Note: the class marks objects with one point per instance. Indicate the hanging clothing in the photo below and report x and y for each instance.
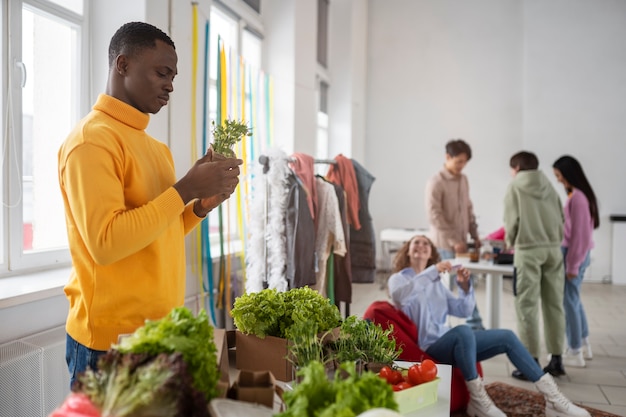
(266, 250)
(302, 165)
(342, 268)
(363, 240)
(343, 173)
(300, 235)
(329, 234)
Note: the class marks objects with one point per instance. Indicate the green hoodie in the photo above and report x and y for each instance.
(533, 215)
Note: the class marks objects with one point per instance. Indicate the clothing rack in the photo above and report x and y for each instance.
(265, 161)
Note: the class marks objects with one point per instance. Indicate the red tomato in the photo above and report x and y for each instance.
(385, 372)
(415, 374)
(429, 370)
(401, 386)
(391, 375)
(397, 377)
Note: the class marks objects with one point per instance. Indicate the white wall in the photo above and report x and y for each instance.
(347, 68)
(575, 98)
(278, 55)
(505, 75)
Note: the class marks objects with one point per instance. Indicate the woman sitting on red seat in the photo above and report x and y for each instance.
(417, 289)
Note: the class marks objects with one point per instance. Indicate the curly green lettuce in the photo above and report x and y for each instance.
(180, 331)
(272, 313)
(142, 385)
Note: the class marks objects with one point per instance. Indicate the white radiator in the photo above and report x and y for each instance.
(34, 379)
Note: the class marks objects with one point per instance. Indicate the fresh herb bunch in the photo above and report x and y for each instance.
(272, 313)
(306, 345)
(226, 135)
(316, 395)
(180, 332)
(360, 339)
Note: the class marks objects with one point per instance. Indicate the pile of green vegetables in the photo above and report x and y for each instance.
(167, 368)
(272, 313)
(318, 396)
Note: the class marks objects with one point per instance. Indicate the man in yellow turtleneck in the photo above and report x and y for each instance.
(126, 214)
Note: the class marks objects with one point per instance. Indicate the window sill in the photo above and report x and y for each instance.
(26, 288)
(21, 289)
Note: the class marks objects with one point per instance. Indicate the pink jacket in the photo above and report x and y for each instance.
(578, 230)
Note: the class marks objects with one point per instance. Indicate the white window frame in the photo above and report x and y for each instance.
(14, 259)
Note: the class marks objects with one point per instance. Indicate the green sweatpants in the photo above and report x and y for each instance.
(540, 282)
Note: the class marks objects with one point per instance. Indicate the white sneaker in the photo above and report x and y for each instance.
(480, 404)
(557, 405)
(574, 359)
(587, 353)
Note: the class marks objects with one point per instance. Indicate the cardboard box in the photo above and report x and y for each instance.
(268, 354)
(417, 397)
(219, 338)
(254, 387)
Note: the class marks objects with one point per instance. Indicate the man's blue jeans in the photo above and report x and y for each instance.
(474, 321)
(79, 358)
(462, 347)
(576, 327)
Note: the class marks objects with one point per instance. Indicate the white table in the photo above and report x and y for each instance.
(494, 274)
(395, 236)
(442, 406)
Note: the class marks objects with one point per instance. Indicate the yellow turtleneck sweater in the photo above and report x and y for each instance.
(125, 222)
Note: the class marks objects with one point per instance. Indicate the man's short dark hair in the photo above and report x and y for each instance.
(524, 161)
(456, 147)
(133, 37)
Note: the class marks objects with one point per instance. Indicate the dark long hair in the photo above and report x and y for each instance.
(401, 260)
(573, 173)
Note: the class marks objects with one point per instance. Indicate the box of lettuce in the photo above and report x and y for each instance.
(266, 321)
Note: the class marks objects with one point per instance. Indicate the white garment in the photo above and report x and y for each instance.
(329, 235)
(266, 250)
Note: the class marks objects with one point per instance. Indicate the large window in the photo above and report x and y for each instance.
(41, 103)
(323, 86)
(243, 97)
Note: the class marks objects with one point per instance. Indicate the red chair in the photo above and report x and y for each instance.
(405, 334)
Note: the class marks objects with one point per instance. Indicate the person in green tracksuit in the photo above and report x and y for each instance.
(533, 222)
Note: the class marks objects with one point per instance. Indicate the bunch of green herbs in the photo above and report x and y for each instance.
(226, 135)
(363, 340)
(306, 345)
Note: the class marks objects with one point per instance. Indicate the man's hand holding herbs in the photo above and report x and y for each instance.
(211, 181)
(203, 206)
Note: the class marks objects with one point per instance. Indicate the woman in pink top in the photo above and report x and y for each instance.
(581, 217)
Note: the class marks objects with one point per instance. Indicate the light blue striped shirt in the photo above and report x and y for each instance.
(428, 301)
